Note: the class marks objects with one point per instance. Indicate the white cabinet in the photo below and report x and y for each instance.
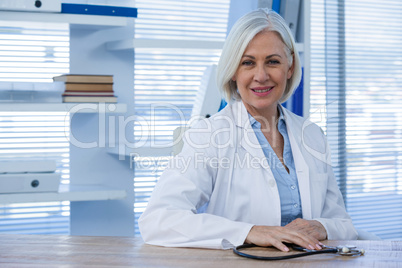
(101, 184)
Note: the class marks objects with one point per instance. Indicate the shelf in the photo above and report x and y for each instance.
(167, 43)
(163, 43)
(64, 107)
(90, 21)
(66, 193)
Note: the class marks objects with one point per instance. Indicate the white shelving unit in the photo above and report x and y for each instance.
(158, 43)
(81, 21)
(163, 43)
(101, 184)
(66, 192)
(64, 107)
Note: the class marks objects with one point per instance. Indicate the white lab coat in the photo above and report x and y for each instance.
(220, 185)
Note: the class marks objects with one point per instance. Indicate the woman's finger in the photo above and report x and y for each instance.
(275, 236)
(301, 239)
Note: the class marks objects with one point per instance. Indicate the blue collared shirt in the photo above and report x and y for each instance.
(286, 182)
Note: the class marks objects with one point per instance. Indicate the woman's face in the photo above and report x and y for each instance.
(262, 74)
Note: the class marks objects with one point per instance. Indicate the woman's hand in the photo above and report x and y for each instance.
(300, 232)
(309, 227)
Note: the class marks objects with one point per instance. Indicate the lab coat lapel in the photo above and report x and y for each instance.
(246, 135)
(302, 170)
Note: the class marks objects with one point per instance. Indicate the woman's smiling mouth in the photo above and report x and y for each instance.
(261, 90)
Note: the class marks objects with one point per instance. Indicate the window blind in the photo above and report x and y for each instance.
(34, 52)
(166, 80)
(356, 78)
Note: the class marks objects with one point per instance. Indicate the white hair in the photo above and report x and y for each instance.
(242, 32)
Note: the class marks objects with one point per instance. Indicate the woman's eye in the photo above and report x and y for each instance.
(273, 62)
(247, 63)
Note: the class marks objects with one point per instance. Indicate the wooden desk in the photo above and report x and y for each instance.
(78, 251)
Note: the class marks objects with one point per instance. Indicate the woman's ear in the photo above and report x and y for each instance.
(234, 78)
(292, 68)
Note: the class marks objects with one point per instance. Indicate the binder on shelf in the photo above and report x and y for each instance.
(29, 182)
(27, 166)
(28, 176)
(103, 10)
(31, 5)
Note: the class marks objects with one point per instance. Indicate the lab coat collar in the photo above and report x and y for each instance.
(295, 132)
(245, 132)
(242, 118)
(249, 141)
(241, 115)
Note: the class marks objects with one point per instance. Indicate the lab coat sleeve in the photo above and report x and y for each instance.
(334, 217)
(171, 217)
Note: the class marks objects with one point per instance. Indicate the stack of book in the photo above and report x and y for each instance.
(87, 88)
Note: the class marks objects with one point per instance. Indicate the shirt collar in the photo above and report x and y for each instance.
(281, 120)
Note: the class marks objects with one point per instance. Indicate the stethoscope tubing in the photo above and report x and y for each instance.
(237, 251)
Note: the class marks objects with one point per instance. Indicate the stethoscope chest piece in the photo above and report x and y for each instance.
(350, 251)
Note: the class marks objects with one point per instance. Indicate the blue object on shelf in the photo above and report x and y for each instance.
(102, 10)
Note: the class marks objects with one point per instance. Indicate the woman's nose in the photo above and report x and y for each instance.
(261, 74)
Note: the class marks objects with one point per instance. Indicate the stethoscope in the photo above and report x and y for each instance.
(350, 251)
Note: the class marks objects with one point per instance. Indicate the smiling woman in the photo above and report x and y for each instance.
(262, 75)
(261, 80)
(233, 52)
(222, 206)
